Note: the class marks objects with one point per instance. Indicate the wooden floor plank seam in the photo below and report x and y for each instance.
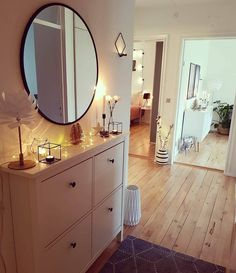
(210, 239)
(186, 193)
(193, 210)
(218, 192)
(165, 204)
(188, 211)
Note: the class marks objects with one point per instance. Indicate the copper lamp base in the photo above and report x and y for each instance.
(27, 164)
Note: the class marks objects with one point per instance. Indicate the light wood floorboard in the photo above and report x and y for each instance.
(188, 209)
(212, 154)
(140, 141)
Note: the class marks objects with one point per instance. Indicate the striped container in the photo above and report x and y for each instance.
(162, 157)
(132, 206)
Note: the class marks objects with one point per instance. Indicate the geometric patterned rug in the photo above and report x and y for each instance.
(138, 256)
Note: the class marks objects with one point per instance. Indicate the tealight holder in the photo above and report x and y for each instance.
(117, 128)
(49, 153)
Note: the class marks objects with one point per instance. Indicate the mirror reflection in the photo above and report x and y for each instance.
(59, 63)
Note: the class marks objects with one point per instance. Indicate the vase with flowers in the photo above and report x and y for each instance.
(112, 101)
(162, 155)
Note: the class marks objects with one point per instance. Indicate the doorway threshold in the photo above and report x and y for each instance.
(141, 156)
(199, 167)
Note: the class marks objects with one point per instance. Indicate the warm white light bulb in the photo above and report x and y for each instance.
(134, 54)
(139, 67)
(140, 80)
(139, 53)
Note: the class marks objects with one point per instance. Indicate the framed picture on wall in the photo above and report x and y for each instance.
(197, 79)
(191, 81)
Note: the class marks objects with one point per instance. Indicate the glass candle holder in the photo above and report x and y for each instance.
(49, 153)
(117, 128)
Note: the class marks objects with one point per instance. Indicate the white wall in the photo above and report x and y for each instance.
(193, 20)
(137, 76)
(148, 61)
(195, 51)
(221, 68)
(149, 49)
(217, 59)
(105, 20)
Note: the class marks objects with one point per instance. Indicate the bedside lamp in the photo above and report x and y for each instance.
(146, 97)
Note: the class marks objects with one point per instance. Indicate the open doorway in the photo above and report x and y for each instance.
(146, 85)
(206, 98)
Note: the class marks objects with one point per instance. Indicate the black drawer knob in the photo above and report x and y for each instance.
(110, 209)
(111, 160)
(73, 184)
(73, 245)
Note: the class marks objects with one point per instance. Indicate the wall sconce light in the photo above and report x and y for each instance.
(120, 45)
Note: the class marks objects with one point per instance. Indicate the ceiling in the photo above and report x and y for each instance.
(155, 3)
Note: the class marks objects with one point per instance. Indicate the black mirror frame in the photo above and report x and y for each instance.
(22, 57)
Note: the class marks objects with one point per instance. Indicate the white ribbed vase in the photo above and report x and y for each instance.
(162, 157)
(132, 206)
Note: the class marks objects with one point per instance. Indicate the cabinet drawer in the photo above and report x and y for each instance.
(63, 199)
(106, 221)
(108, 172)
(72, 253)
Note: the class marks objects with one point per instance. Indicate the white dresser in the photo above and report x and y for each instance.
(64, 215)
(197, 123)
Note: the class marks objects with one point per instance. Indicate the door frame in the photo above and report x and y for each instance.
(231, 143)
(199, 37)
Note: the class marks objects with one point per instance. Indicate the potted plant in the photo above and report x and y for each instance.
(224, 111)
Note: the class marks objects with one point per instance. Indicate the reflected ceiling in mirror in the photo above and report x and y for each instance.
(59, 63)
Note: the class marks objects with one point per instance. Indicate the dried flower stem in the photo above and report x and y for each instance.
(163, 142)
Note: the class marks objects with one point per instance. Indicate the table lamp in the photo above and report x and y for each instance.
(146, 97)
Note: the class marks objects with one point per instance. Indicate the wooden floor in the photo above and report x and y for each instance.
(140, 141)
(212, 154)
(188, 209)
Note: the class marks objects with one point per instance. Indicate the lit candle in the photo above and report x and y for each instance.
(114, 131)
(104, 104)
(49, 158)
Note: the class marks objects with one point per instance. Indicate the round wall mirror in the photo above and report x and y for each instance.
(59, 63)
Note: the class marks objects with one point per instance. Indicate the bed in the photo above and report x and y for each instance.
(135, 113)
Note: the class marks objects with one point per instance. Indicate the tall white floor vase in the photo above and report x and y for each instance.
(161, 157)
(132, 206)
